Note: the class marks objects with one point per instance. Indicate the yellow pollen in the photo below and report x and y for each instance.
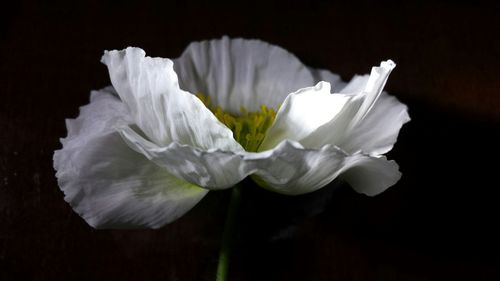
(249, 128)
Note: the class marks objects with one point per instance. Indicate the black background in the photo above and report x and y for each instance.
(438, 223)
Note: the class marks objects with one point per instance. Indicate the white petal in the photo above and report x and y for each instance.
(339, 130)
(239, 72)
(163, 111)
(290, 169)
(378, 131)
(302, 113)
(325, 75)
(213, 169)
(370, 175)
(107, 183)
(356, 85)
(373, 89)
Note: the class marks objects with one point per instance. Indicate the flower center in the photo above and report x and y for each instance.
(249, 128)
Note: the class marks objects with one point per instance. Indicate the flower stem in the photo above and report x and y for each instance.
(225, 250)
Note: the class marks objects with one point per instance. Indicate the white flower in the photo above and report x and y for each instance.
(146, 150)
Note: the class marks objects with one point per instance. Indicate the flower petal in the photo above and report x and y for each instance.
(339, 129)
(213, 169)
(378, 132)
(239, 72)
(356, 85)
(370, 175)
(165, 113)
(302, 113)
(107, 183)
(290, 169)
(373, 88)
(325, 75)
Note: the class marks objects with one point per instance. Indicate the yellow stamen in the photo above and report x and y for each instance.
(249, 128)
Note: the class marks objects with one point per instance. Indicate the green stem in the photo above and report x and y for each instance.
(225, 250)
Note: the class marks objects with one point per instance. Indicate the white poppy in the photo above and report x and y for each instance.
(146, 150)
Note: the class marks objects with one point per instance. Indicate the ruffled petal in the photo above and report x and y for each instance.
(165, 113)
(213, 169)
(373, 89)
(356, 85)
(239, 72)
(292, 170)
(288, 168)
(107, 183)
(370, 175)
(378, 132)
(302, 113)
(325, 75)
(339, 129)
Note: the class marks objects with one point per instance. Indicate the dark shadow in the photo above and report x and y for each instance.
(445, 207)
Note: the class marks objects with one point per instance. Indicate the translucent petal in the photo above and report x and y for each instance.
(290, 169)
(287, 168)
(240, 72)
(370, 175)
(213, 169)
(373, 89)
(356, 85)
(339, 129)
(107, 183)
(378, 131)
(302, 113)
(325, 75)
(165, 113)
